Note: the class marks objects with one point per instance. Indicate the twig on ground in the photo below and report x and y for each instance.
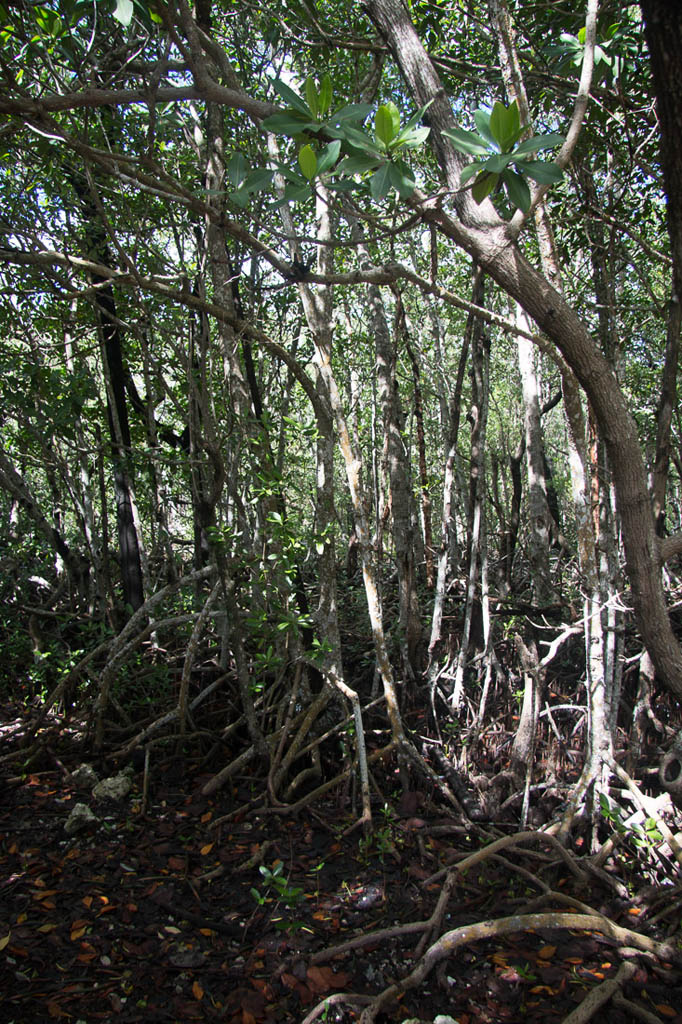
(595, 999)
(458, 937)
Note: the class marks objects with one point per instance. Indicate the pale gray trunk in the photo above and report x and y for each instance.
(401, 491)
(539, 515)
(478, 415)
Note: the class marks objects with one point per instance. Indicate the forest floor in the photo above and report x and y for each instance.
(171, 916)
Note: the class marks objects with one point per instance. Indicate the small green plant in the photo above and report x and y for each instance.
(276, 889)
(644, 836)
(316, 872)
(382, 840)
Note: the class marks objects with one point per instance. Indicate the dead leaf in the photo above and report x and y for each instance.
(547, 952)
(197, 991)
(320, 979)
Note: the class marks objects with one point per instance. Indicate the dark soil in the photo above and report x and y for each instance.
(168, 917)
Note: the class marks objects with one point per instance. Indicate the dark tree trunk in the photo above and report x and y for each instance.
(117, 408)
(663, 31)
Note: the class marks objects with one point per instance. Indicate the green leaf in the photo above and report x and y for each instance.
(360, 140)
(497, 162)
(307, 161)
(416, 118)
(401, 178)
(380, 182)
(470, 171)
(311, 95)
(505, 125)
(387, 123)
(467, 142)
(291, 97)
(289, 123)
(411, 139)
(517, 190)
(538, 143)
(484, 185)
(357, 164)
(329, 157)
(237, 169)
(257, 180)
(540, 171)
(482, 119)
(351, 112)
(240, 197)
(124, 12)
(325, 95)
(296, 193)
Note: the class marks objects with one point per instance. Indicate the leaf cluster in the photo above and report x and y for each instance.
(352, 151)
(501, 163)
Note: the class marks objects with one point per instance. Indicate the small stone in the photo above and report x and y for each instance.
(80, 819)
(84, 777)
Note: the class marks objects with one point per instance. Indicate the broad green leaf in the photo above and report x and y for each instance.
(351, 112)
(572, 42)
(505, 124)
(124, 12)
(417, 118)
(380, 182)
(296, 193)
(290, 174)
(484, 185)
(538, 170)
(291, 97)
(497, 162)
(329, 157)
(517, 190)
(325, 95)
(259, 179)
(307, 161)
(468, 142)
(289, 123)
(401, 178)
(469, 172)
(359, 140)
(482, 119)
(237, 169)
(357, 164)
(412, 138)
(538, 143)
(311, 96)
(240, 197)
(387, 123)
